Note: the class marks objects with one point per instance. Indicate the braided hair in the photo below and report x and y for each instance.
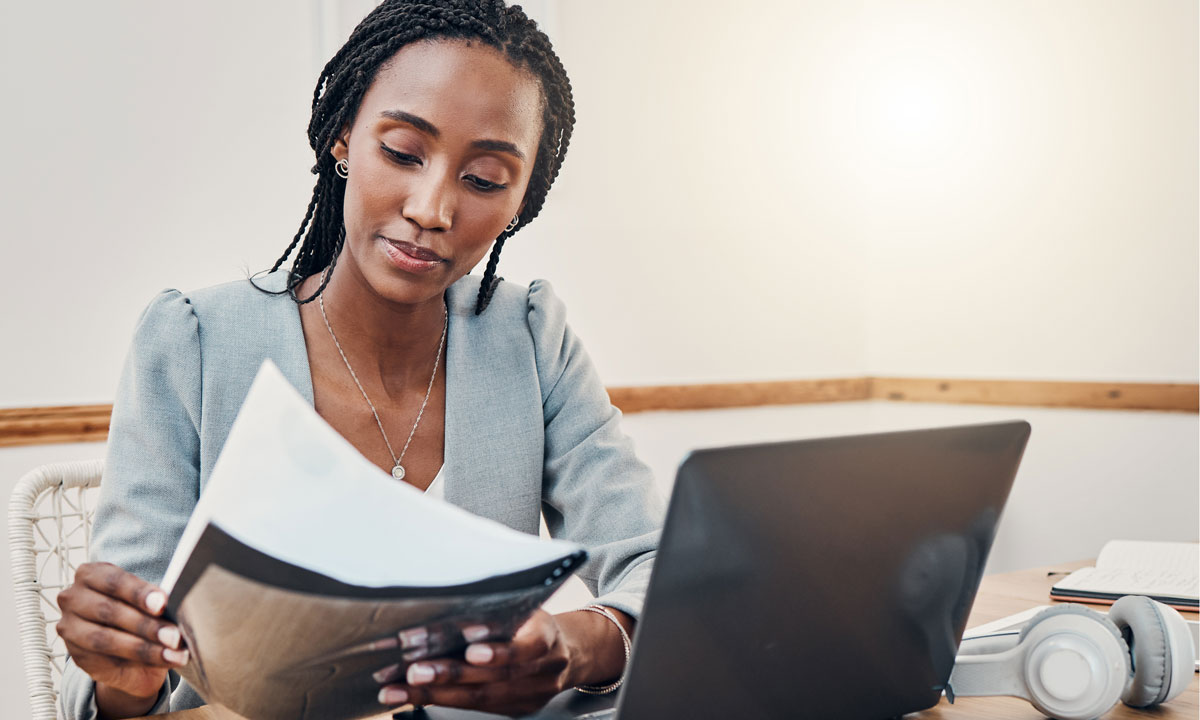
(346, 77)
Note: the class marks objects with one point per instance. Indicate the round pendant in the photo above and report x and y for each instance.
(398, 471)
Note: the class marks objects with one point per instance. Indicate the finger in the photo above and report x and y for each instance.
(453, 672)
(101, 640)
(490, 654)
(526, 647)
(108, 579)
(479, 632)
(477, 697)
(125, 675)
(440, 671)
(503, 659)
(391, 673)
(105, 610)
(437, 638)
(507, 655)
(427, 640)
(413, 638)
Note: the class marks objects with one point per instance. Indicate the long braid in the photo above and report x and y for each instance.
(344, 81)
(490, 281)
(312, 204)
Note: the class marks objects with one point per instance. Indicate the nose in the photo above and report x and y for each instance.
(430, 202)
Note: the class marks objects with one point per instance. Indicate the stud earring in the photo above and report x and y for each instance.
(342, 168)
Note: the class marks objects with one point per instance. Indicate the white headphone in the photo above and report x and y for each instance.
(1073, 663)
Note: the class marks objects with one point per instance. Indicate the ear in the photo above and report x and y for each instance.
(341, 146)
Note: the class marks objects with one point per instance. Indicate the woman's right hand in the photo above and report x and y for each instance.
(113, 631)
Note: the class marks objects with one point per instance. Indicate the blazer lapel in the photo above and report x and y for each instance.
(493, 447)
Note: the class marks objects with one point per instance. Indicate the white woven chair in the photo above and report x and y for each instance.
(49, 534)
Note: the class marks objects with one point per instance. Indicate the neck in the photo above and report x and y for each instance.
(395, 342)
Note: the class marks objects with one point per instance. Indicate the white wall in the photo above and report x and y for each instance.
(755, 191)
(693, 220)
(1035, 215)
(154, 145)
(930, 187)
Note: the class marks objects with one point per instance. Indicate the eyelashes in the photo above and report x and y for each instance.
(402, 158)
(485, 186)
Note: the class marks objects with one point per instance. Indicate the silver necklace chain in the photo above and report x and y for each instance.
(397, 468)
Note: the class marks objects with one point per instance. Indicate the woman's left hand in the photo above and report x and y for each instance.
(510, 678)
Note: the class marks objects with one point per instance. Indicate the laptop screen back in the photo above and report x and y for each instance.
(822, 578)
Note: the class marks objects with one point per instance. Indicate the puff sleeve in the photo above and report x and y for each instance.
(151, 476)
(596, 491)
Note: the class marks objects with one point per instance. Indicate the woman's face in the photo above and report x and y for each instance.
(440, 156)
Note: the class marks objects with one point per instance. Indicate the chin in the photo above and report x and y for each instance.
(407, 289)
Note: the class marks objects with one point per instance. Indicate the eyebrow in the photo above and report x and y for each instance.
(499, 146)
(428, 128)
(416, 121)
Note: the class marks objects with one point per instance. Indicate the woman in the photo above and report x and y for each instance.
(438, 130)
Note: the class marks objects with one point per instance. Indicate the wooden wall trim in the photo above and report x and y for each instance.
(45, 425)
(1171, 397)
(748, 394)
(89, 423)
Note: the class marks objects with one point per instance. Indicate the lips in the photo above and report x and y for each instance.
(415, 251)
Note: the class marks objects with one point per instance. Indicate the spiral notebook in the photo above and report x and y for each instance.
(305, 568)
(1166, 571)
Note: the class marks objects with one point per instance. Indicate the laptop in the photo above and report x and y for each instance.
(826, 578)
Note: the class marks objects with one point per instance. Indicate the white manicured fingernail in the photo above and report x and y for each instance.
(385, 675)
(392, 696)
(169, 636)
(420, 673)
(475, 633)
(414, 637)
(479, 653)
(178, 657)
(156, 601)
(385, 644)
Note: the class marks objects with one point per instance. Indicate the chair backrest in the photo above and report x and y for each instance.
(49, 535)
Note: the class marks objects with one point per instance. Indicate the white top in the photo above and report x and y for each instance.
(437, 488)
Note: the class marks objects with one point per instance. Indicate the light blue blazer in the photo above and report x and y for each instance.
(529, 431)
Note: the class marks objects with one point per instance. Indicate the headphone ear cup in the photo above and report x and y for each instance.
(1157, 637)
(1074, 630)
(1071, 609)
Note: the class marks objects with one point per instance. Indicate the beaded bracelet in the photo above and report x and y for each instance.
(605, 689)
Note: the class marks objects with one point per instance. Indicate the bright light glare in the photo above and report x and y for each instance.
(912, 113)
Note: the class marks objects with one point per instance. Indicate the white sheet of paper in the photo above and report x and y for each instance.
(1012, 622)
(289, 485)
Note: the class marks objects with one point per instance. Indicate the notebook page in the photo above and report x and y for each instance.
(1124, 581)
(1177, 557)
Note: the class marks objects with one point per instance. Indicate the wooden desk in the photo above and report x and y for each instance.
(999, 596)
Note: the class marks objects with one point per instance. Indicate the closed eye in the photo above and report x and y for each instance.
(486, 186)
(402, 158)
(483, 185)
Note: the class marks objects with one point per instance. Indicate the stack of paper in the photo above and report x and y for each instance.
(303, 562)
